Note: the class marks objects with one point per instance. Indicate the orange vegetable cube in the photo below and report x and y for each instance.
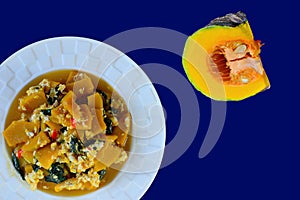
(82, 87)
(111, 138)
(46, 156)
(109, 154)
(98, 124)
(95, 101)
(15, 133)
(28, 169)
(36, 142)
(31, 102)
(98, 166)
(100, 118)
(74, 76)
(59, 116)
(121, 136)
(28, 156)
(70, 105)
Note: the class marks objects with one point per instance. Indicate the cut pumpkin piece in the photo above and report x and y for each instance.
(82, 87)
(46, 156)
(74, 76)
(222, 59)
(111, 138)
(121, 136)
(98, 124)
(98, 165)
(109, 154)
(32, 101)
(28, 156)
(59, 116)
(15, 133)
(69, 103)
(28, 169)
(36, 142)
(95, 101)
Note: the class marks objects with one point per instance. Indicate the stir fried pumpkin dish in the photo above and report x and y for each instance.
(67, 133)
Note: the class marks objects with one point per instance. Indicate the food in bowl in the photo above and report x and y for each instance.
(68, 131)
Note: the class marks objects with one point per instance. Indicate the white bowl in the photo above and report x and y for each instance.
(119, 71)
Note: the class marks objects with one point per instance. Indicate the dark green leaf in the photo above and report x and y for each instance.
(35, 167)
(16, 164)
(102, 174)
(63, 129)
(102, 94)
(75, 145)
(51, 100)
(109, 126)
(57, 91)
(62, 141)
(46, 112)
(56, 174)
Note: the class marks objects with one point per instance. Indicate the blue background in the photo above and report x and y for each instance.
(257, 156)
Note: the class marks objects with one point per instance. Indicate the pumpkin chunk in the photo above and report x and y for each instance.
(68, 102)
(46, 156)
(95, 101)
(28, 156)
(16, 132)
(36, 142)
(74, 76)
(109, 154)
(111, 138)
(98, 124)
(32, 101)
(98, 165)
(83, 87)
(59, 115)
(121, 136)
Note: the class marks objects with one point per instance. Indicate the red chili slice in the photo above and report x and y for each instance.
(19, 154)
(54, 134)
(73, 123)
